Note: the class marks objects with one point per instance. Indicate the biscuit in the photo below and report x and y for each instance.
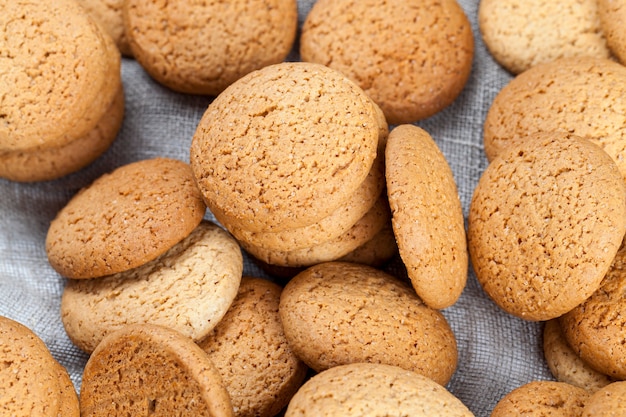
(542, 399)
(545, 222)
(108, 14)
(612, 20)
(366, 389)
(375, 252)
(337, 313)
(189, 289)
(427, 216)
(125, 219)
(249, 349)
(302, 139)
(203, 47)
(522, 34)
(412, 57)
(565, 364)
(146, 369)
(580, 96)
(609, 401)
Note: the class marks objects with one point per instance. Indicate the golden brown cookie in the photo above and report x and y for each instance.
(413, 57)
(203, 47)
(108, 14)
(338, 313)
(125, 219)
(613, 20)
(545, 222)
(146, 369)
(609, 401)
(375, 252)
(367, 389)
(249, 349)
(522, 34)
(427, 216)
(542, 399)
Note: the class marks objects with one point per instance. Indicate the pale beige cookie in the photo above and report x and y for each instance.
(542, 399)
(108, 14)
(338, 313)
(521, 34)
(367, 389)
(125, 219)
(413, 57)
(146, 369)
(613, 20)
(201, 47)
(609, 401)
(189, 288)
(249, 349)
(51, 163)
(545, 222)
(302, 139)
(580, 96)
(565, 364)
(427, 216)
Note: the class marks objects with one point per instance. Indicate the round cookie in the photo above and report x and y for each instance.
(55, 162)
(427, 216)
(338, 313)
(565, 364)
(366, 389)
(302, 139)
(108, 14)
(582, 96)
(249, 349)
(609, 401)
(545, 222)
(542, 399)
(63, 74)
(146, 369)
(412, 57)
(203, 47)
(125, 219)
(613, 20)
(522, 34)
(189, 289)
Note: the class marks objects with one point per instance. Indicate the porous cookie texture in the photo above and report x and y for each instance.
(581, 96)
(125, 219)
(413, 57)
(596, 329)
(201, 47)
(366, 389)
(32, 382)
(427, 216)
(545, 222)
(301, 139)
(55, 162)
(542, 399)
(146, 369)
(522, 34)
(62, 76)
(251, 352)
(609, 401)
(189, 288)
(338, 313)
(108, 14)
(613, 20)
(565, 364)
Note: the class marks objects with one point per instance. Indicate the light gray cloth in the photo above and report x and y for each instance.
(497, 352)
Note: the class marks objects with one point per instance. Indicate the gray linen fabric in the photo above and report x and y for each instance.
(497, 352)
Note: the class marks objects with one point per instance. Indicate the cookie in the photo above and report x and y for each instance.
(545, 222)
(189, 288)
(612, 20)
(146, 369)
(413, 57)
(61, 79)
(125, 219)
(565, 364)
(427, 216)
(338, 313)
(32, 382)
(595, 329)
(249, 349)
(302, 139)
(522, 34)
(580, 96)
(55, 162)
(366, 389)
(203, 47)
(609, 401)
(108, 14)
(542, 399)
(375, 252)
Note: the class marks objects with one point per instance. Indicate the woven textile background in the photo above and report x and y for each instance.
(497, 352)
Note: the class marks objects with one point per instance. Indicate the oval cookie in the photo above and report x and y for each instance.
(609, 401)
(542, 398)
